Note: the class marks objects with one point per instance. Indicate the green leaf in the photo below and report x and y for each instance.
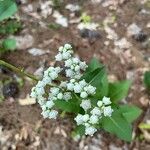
(9, 44)
(118, 125)
(93, 65)
(130, 112)
(7, 9)
(68, 106)
(98, 79)
(80, 130)
(118, 90)
(147, 79)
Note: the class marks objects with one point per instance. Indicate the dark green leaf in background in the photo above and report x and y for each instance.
(147, 79)
(7, 9)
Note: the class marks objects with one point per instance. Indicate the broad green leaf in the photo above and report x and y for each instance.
(93, 65)
(7, 8)
(117, 124)
(118, 90)
(9, 44)
(68, 106)
(147, 79)
(130, 112)
(98, 79)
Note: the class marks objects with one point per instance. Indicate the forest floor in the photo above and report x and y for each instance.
(125, 54)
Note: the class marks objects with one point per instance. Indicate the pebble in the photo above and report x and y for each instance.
(86, 33)
(123, 43)
(133, 29)
(10, 89)
(24, 42)
(140, 37)
(36, 51)
(72, 7)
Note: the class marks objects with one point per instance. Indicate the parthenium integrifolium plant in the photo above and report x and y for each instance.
(84, 91)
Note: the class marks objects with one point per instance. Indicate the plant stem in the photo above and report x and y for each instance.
(20, 71)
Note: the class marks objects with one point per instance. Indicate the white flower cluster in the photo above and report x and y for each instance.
(81, 87)
(47, 91)
(103, 108)
(73, 65)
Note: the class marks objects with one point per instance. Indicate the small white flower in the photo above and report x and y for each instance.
(59, 57)
(94, 119)
(72, 80)
(58, 69)
(47, 80)
(91, 89)
(75, 60)
(77, 88)
(66, 55)
(53, 114)
(106, 100)
(67, 46)
(49, 104)
(82, 83)
(53, 75)
(68, 63)
(54, 91)
(70, 86)
(83, 94)
(85, 117)
(79, 119)
(40, 91)
(43, 107)
(60, 96)
(99, 103)
(33, 93)
(90, 130)
(86, 104)
(41, 101)
(67, 96)
(45, 114)
(107, 111)
(60, 49)
(83, 65)
(69, 73)
(77, 68)
(77, 76)
(72, 67)
(63, 84)
(96, 111)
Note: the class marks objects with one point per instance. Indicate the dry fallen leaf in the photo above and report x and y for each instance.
(27, 101)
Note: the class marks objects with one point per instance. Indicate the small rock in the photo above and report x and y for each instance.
(72, 7)
(123, 43)
(146, 44)
(111, 33)
(140, 37)
(10, 89)
(90, 26)
(24, 42)
(60, 19)
(86, 33)
(46, 9)
(36, 51)
(113, 147)
(133, 29)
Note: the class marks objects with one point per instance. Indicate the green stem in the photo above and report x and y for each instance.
(20, 71)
